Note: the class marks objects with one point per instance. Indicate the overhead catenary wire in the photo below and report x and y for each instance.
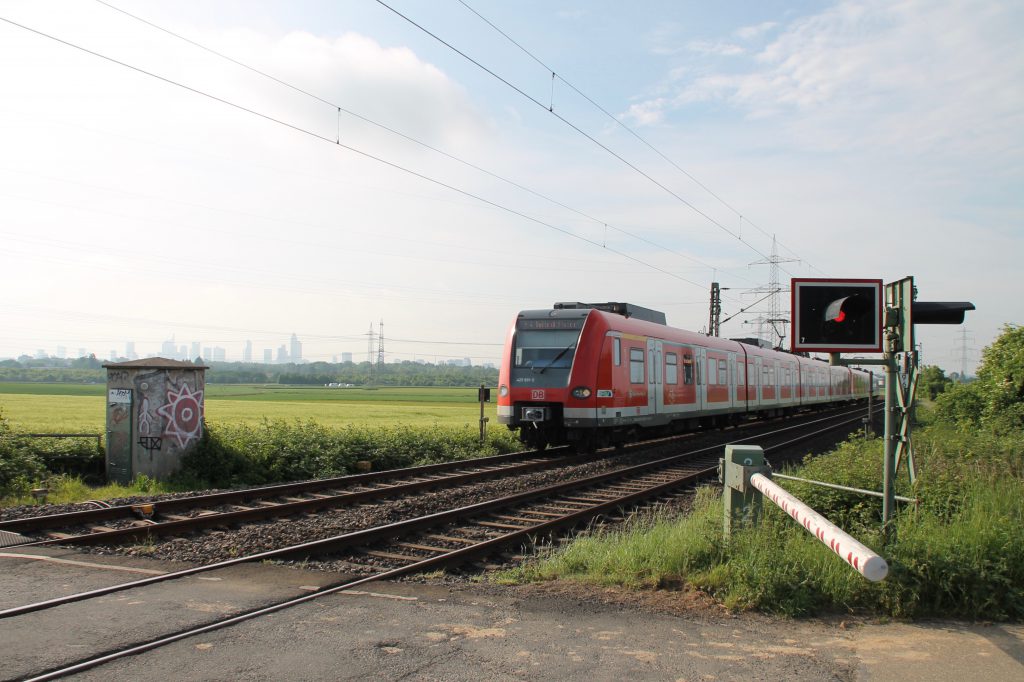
(572, 125)
(352, 149)
(340, 109)
(631, 131)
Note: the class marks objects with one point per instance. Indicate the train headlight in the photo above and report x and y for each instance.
(581, 392)
(503, 391)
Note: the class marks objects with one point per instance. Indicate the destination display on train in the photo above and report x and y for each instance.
(550, 323)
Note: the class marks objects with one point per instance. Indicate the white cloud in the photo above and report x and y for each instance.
(717, 48)
(664, 39)
(751, 32)
(942, 79)
(649, 112)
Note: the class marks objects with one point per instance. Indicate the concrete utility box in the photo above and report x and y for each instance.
(154, 416)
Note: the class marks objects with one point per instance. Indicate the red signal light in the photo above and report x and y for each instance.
(835, 311)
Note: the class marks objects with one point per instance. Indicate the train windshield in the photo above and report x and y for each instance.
(546, 349)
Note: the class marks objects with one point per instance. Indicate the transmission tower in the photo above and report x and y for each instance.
(776, 319)
(380, 345)
(964, 351)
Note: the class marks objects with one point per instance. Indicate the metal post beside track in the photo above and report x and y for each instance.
(743, 473)
(483, 395)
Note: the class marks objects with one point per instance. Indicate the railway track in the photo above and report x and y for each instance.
(455, 536)
(225, 509)
(230, 509)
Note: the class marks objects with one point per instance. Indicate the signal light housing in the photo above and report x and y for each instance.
(939, 312)
(837, 315)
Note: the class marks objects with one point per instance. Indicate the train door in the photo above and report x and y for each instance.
(742, 388)
(702, 378)
(794, 384)
(759, 381)
(655, 377)
(733, 400)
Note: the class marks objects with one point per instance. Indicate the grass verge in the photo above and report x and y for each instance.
(63, 489)
(960, 552)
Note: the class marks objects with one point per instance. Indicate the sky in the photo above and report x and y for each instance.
(317, 167)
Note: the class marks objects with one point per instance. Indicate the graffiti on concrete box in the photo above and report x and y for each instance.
(184, 415)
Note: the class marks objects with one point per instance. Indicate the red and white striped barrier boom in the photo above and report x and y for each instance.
(867, 563)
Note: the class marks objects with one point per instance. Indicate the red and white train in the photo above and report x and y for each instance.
(602, 373)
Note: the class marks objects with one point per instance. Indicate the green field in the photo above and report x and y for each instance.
(67, 408)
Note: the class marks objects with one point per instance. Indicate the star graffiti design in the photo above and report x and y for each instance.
(184, 412)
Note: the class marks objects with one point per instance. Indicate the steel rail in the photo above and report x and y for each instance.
(302, 506)
(164, 506)
(398, 528)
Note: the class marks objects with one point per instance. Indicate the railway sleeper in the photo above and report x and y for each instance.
(388, 555)
(449, 538)
(423, 548)
(498, 524)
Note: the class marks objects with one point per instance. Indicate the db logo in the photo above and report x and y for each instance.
(537, 394)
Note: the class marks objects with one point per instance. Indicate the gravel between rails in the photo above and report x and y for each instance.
(217, 545)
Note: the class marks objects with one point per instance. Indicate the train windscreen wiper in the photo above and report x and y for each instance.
(555, 359)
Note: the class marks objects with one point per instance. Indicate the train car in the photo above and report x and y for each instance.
(603, 373)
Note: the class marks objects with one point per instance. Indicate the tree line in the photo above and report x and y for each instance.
(89, 370)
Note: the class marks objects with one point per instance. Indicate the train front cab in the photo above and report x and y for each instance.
(541, 350)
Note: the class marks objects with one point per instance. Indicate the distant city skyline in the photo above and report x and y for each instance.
(289, 352)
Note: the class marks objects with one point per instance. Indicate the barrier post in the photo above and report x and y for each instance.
(861, 558)
(741, 501)
(746, 478)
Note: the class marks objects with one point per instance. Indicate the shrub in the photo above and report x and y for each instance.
(961, 404)
(286, 451)
(20, 466)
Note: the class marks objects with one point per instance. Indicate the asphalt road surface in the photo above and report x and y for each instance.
(416, 631)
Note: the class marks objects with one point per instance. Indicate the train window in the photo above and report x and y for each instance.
(688, 369)
(617, 351)
(723, 373)
(547, 349)
(636, 365)
(740, 379)
(671, 368)
(712, 371)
